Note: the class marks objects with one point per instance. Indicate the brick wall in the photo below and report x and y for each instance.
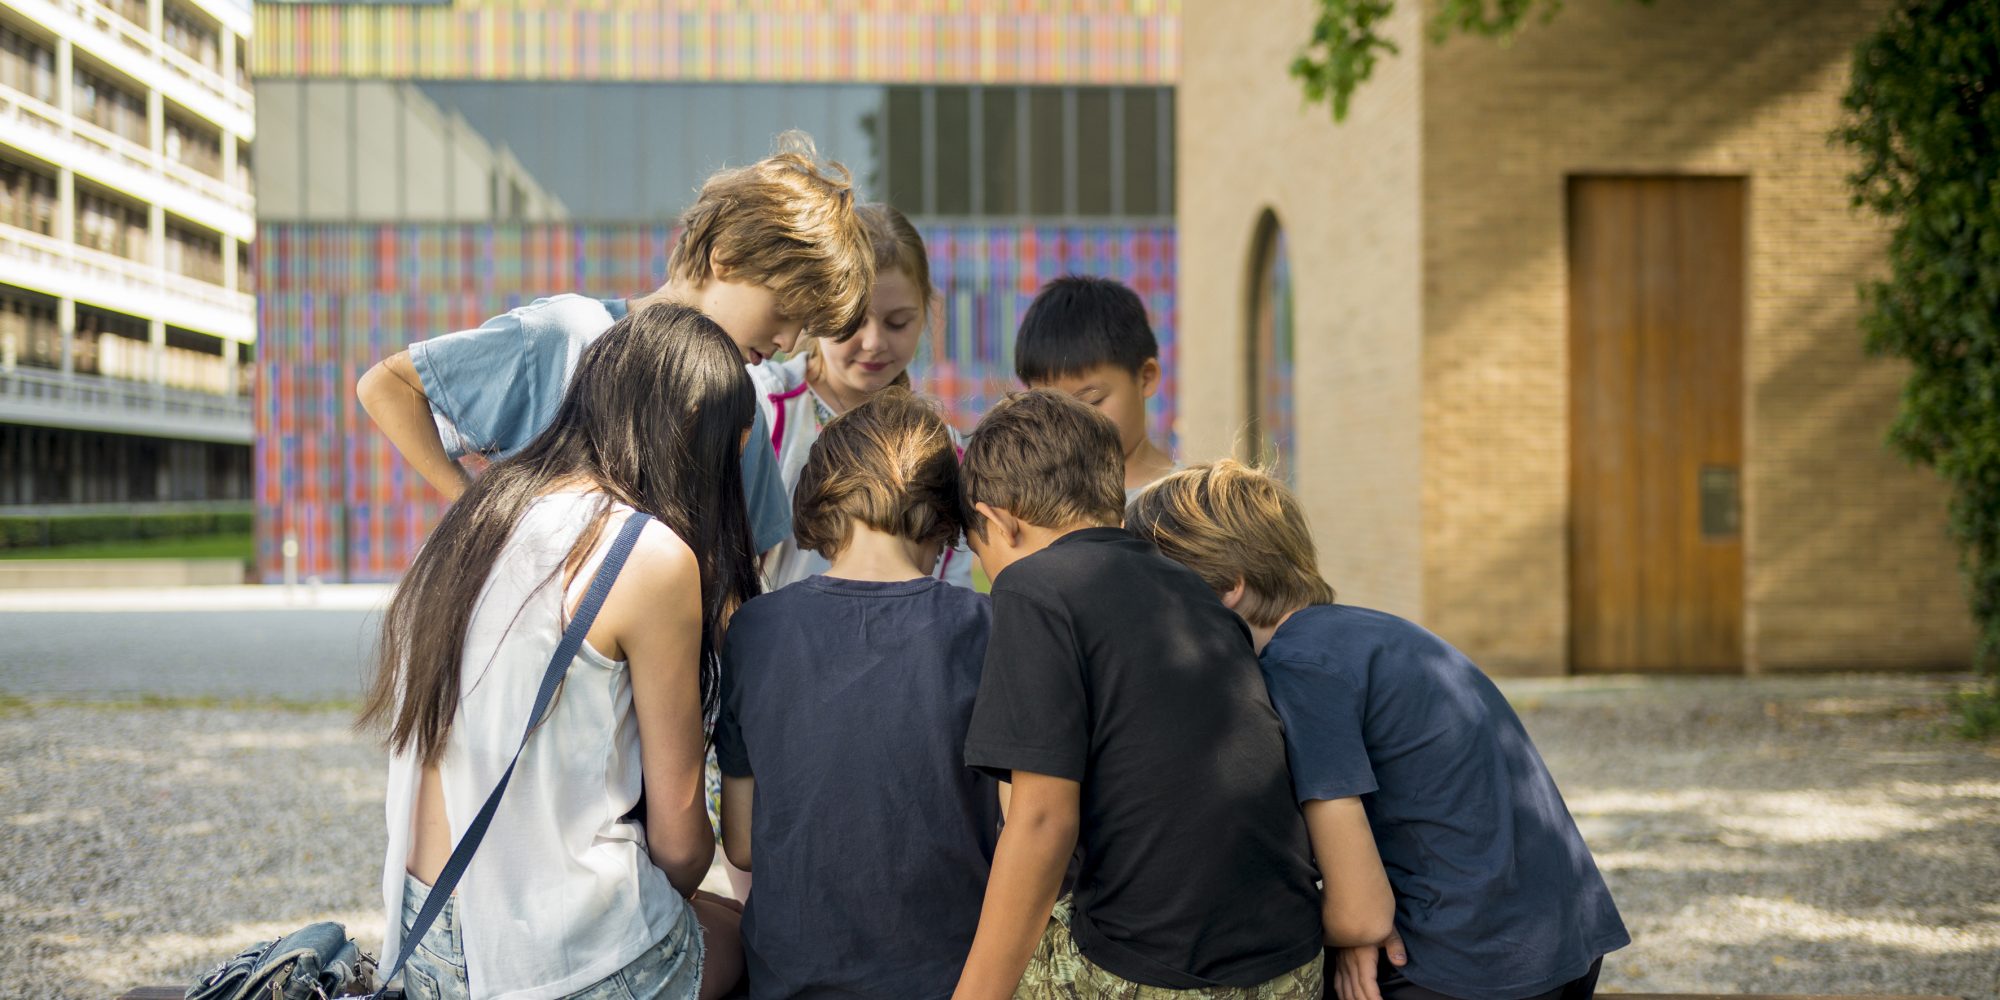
(1347, 198)
(1427, 244)
(1845, 552)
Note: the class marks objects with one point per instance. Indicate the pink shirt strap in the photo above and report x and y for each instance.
(778, 401)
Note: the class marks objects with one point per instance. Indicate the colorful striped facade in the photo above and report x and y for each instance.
(335, 299)
(767, 41)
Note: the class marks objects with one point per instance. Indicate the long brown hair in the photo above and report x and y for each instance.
(654, 419)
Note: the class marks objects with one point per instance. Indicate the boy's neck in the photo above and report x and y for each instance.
(1146, 464)
(1037, 537)
(1260, 635)
(872, 556)
(674, 291)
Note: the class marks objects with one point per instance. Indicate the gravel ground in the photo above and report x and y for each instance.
(1803, 836)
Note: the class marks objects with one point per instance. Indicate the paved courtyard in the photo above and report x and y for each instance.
(176, 785)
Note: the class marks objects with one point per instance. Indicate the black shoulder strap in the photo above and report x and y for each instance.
(572, 642)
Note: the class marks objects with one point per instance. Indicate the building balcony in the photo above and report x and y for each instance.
(148, 59)
(53, 267)
(97, 403)
(118, 163)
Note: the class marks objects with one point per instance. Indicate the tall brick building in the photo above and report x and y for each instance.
(1560, 339)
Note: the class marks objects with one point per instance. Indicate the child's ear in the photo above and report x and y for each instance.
(1000, 520)
(1233, 596)
(1149, 378)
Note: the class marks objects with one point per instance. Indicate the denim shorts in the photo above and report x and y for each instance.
(669, 970)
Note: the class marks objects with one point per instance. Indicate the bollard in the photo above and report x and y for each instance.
(291, 552)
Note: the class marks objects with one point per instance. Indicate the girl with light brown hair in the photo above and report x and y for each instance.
(829, 377)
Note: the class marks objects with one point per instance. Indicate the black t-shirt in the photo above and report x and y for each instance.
(848, 702)
(1115, 667)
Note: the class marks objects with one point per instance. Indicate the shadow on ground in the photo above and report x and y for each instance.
(1807, 836)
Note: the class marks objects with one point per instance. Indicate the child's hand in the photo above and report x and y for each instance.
(1354, 972)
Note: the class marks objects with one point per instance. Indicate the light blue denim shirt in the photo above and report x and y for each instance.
(494, 387)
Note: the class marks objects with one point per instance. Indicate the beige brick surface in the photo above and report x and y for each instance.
(1427, 235)
(1347, 198)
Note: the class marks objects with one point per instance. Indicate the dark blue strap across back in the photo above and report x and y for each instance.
(572, 642)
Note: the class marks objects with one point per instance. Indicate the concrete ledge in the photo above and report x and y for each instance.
(248, 597)
(71, 574)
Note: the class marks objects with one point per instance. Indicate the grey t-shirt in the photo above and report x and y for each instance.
(847, 701)
(1497, 897)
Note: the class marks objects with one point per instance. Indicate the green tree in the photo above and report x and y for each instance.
(1924, 117)
(1346, 38)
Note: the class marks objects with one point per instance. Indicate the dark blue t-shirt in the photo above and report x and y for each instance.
(1497, 897)
(870, 839)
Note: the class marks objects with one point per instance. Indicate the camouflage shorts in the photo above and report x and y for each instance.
(1059, 972)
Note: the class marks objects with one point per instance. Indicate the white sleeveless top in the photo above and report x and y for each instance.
(561, 892)
(790, 411)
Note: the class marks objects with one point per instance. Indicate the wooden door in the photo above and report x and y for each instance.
(1656, 423)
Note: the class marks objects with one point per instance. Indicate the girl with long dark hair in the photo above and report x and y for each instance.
(576, 890)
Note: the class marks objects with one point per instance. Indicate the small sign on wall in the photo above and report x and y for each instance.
(1721, 515)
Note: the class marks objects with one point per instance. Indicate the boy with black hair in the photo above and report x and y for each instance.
(1089, 337)
(1122, 702)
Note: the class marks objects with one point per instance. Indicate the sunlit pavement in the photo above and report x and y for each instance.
(303, 644)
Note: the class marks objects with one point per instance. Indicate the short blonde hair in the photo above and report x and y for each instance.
(786, 222)
(1229, 522)
(1045, 458)
(889, 464)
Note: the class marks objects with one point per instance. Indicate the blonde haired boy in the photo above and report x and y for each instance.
(766, 251)
(1497, 897)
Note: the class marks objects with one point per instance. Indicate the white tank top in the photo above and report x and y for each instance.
(561, 892)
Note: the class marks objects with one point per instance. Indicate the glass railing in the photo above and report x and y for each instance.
(116, 271)
(28, 112)
(115, 25)
(136, 402)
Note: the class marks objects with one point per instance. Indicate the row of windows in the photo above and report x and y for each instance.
(358, 150)
(1040, 151)
(116, 346)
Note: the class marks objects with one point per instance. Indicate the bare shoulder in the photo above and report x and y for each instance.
(658, 593)
(661, 566)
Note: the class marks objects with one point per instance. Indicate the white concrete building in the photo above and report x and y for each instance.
(127, 313)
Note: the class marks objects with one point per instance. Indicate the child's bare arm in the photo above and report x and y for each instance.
(1357, 907)
(736, 798)
(393, 395)
(1028, 867)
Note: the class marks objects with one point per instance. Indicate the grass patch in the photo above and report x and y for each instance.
(13, 704)
(1979, 711)
(231, 546)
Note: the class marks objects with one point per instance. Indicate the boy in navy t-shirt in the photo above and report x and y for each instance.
(1497, 898)
(845, 699)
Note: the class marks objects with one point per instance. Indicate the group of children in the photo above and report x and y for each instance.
(1159, 760)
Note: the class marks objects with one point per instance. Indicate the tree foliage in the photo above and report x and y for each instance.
(1923, 115)
(1347, 42)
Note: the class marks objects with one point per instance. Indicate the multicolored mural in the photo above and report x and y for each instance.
(333, 300)
(770, 41)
